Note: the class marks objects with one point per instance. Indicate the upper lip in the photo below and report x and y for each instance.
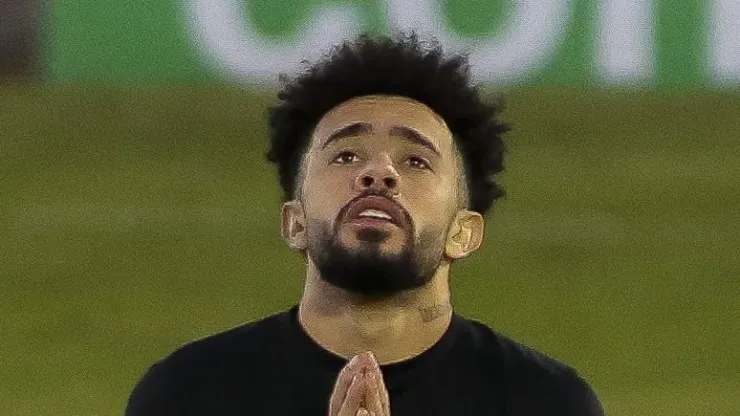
(380, 203)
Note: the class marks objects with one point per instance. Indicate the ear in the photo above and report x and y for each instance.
(293, 225)
(466, 234)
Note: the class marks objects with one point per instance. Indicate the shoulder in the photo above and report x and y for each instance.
(206, 364)
(253, 339)
(532, 378)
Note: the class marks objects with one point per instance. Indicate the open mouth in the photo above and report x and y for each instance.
(375, 210)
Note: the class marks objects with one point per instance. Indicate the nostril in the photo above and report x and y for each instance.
(367, 181)
(390, 182)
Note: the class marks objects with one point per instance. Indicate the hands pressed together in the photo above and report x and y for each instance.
(360, 390)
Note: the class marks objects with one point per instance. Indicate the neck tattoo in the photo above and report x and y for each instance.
(433, 312)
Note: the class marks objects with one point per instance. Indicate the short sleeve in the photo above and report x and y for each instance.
(157, 393)
(582, 400)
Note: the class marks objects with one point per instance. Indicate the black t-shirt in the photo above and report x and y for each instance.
(272, 367)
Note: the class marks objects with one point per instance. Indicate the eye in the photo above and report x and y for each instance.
(345, 158)
(417, 162)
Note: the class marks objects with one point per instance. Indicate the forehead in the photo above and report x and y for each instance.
(384, 112)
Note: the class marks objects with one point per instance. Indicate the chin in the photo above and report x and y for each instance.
(387, 247)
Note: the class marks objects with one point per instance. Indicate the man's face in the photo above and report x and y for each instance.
(380, 188)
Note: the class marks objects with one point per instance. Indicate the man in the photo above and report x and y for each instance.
(386, 155)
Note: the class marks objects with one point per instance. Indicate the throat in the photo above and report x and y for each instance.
(392, 334)
(395, 328)
(374, 327)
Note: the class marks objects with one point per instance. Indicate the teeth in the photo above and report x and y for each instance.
(374, 213)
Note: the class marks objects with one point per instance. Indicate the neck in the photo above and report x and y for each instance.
(394, 328)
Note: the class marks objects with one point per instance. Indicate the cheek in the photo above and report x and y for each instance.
(324, 195)
(434, 196)
(432, 206)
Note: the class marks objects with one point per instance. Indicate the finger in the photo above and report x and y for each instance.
(373, 400)
(384, 397)
(351, 403)
(344, 380)
(363, 412)
(382, 389)
(366, 360)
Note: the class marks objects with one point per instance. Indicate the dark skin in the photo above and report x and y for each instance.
(401, 149)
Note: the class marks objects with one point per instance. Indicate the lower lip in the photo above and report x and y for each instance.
(372, 222)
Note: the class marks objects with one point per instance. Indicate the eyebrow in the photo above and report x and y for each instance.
(349, 130)
(404, 132)
(414, 136)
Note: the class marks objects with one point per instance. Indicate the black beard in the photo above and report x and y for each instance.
(366, 271)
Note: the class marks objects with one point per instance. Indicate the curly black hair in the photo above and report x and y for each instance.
(402, 66)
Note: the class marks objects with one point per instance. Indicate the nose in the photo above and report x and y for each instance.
(380, 179)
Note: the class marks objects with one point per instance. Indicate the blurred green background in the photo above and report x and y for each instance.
(133, 220)
(137, 212)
